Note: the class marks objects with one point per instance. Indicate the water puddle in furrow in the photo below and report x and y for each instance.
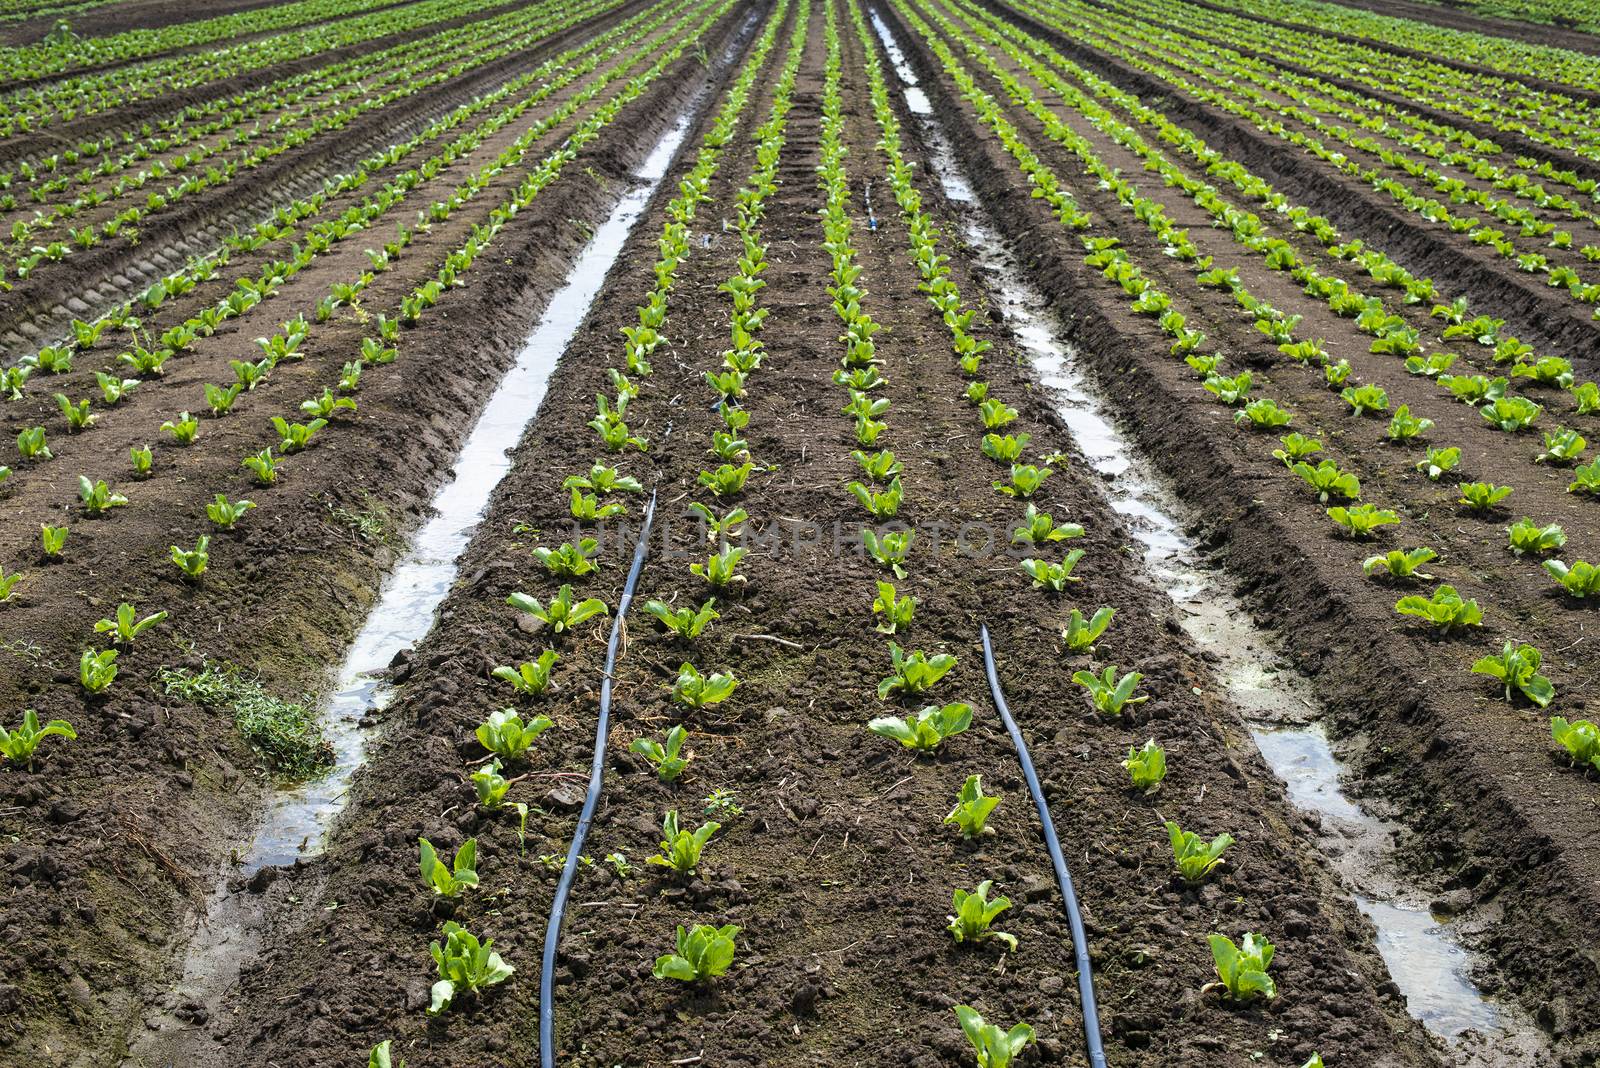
(299, 817)
(1428, 964)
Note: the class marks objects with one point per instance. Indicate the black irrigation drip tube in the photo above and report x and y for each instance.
(1080, 942)
(558, 907)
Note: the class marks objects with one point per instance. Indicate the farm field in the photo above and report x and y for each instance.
(793, 532)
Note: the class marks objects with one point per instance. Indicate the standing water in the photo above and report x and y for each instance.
(1427, 962)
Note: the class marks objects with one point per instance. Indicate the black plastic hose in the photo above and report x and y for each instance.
(1080, 942)
(558, 907)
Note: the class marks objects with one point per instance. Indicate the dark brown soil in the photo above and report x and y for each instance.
(1504, 837)
(113, 863)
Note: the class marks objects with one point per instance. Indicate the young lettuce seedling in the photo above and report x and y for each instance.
(1586, 478)
(382, 1057)
(8, 583)
(889, 549)
(1580, 738)
(1004, 449)
(1081, 633)
(97, 671)
(1406, 427)
(1445, 610)
(449, 880)
(1195, 858)
(993, 1047)
(490, 785)
(1261, 414)
(586, 507)
(18, 746)
(220, 400)
(880, 505)
(1561, 446)
(1517, 668)
(1328, 480)
(54, 540)
(1362, 519)
(1110, 693)
(1296, 447)
(697, 691)
(1439, 461)
(1482, 496)
(915, 673)
(1054, 577)
(529, 679)
(77, 415)
(508, 736)
(225, 513)
(722, 804)
(1242, 969)
(720, 569)
(264, 466)
(192, 562)
(1147, 766)
(727, 480)
(295, 436)
(974, 914)
(703, 952)
(1526, 536)
(31, 444)
(465, 966)
(686, 623)
(1400, 563)
(973, 807)
(897, 611)
(561, 615)
(1580, 580)
(127, 627)
(570, 560)
(680, 849)
(928, 729)
(719, 528)
(1026, 480)
(878, 466)
(139, 456)
(1039, 528)
(97, 497)
(664, 755)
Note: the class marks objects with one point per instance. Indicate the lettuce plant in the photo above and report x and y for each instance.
(1146, 766)
(1362, 519)
(127, 626)
(327, 405)
(992, 1047)
(928, 729)
(1053, 576)
(1581, 579)
(1004, 448)
(1406, 427)
(697, 691)
(31, 444)
(897, 611)
(97, 497)
(508, 736)
(1110, 693)
(1081, 634)
(603, 479)
(449, 880)
(915, 673)
(1561, 446)
(727, 479)
(1517, 669)
(264, 466)
(1329, 480)
(884, 504)
(686, 623)
(664, 754)
(1445, 610)
(8, 583)
(1482, 496)
(220, 400)
(490, 785)
(889, 549)
(140, 456)
(1439, 461)
(1580, 738)
(530, 679)
(1040, 528)
(1263, 413)
(975, 912)
(573, 559)
(18, 746)
(1026, 480)
(561, 614)
(1586, 478)
(225, 513)
(680, 849)
(1296, 447)
(54, 539)
(973, 807)
(1242, 969)
(703, 952)
(878, 466)
(719, 528)
(97, 671)
(995, 414)
(465, 966)
(1400, 563)
(113, 388)
(1526, 536)
(295, 436)
(720, 569)
(192, 562)
(1365, 399)
(1196, 858)
(1511, 414)
(77, 414)
(586, 507)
